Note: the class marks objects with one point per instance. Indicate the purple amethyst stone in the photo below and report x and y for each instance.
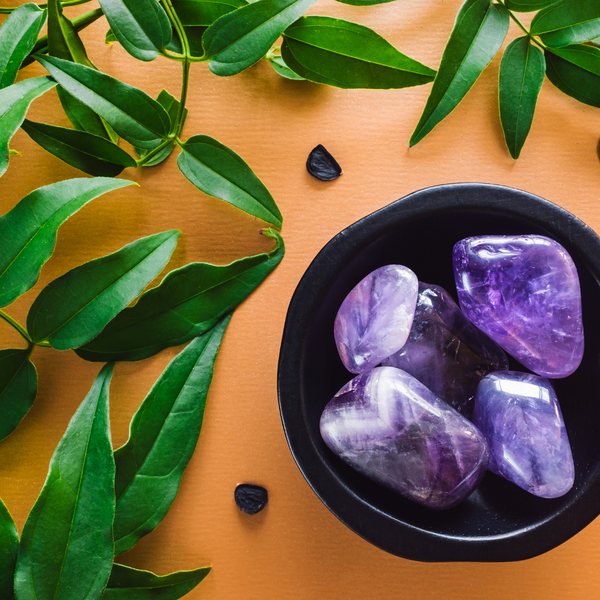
(374, 319)
(446, 352)
(391, 428)
(523, 291)
(519, 416)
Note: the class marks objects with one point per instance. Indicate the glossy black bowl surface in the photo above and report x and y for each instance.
(499, 521)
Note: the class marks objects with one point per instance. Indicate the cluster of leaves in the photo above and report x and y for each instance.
(96, 504)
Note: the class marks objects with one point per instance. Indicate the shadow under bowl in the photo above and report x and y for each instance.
(499, 521)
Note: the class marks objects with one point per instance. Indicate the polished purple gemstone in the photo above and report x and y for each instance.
(446, 352)
(523, 291)
(374, 319)
(519, 416)
(391, 428)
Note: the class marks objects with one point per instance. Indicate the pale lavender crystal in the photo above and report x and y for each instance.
(445, 351)
(374, 319)
(519, 416)
(523, 291)
(391, 428)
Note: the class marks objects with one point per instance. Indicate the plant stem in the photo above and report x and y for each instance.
(522, 27)
(16, 325)
(8, 10)
(147, 157)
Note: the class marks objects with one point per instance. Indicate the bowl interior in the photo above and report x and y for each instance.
(499, 521)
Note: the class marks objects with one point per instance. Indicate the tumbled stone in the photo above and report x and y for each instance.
(375, 317)
(445, 351)
(523, 291)
(388, 426)
(519, 416)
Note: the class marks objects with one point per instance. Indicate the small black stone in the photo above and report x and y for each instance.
(251, 498)
(322, 165)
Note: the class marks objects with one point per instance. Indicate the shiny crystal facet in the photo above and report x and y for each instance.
(519, 416)
(445, 351)
(375, 318)
(391, 428)
(523, 291)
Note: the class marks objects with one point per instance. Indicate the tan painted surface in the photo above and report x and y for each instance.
(294, 549)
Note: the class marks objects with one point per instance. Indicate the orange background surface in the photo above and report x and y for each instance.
(295, 548)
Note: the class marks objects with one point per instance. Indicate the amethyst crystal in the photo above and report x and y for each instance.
(375, 318)
(521, 420)
(446, 352)
(523, 291)
(391, 428)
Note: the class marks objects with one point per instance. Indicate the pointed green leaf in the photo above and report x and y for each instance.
(63, 39)
(242, 37)
(9, 547)
(89, 153)
(84, 118)
(18, 35)
(127, 583)
(162, 438)
(188, 302)
(28, 231)
(282, 69)
(521, 76)
(348, 55)
(171, 105)
(204, 12)
(14, 103)
(75, 308)
(218, 171)
(478, 33)
(133, 114)
(575, 70)
(567, 22)
(18, 386)
(141, 26)
(527, 5)
(67, 545)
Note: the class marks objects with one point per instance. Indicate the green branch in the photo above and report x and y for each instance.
(8, 10)
(16, 325)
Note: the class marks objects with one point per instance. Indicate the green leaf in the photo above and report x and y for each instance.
(282, 69)
(194, 36)
(218, 171)
(521, 76)
(63, 40)
(67, 545)
(171, 105)
(575, 70)
(75, 308)
(127, 583)
(364, 2)
(18, 386)
(204, 12)
(14, 103)
(28, 231)
(162, 438)
(478, 33)
(348, 55)
(567, 22)
(17, 38)
(9, 547)
(188, 302)
(527, 5)
(141, 26)
(133, 114)
(242, 37)
(89, 153)
(4, 158)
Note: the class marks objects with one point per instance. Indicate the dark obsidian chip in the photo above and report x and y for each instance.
(251, 498)
(322, 165)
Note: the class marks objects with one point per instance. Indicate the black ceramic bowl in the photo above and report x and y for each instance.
(499, 521)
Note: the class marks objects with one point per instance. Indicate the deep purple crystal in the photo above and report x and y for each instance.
(391, 428)
(523, 291)
(519, 416)
(375, 317)
(445, 351)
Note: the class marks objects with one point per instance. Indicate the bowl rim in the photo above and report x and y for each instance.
(375, 526)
